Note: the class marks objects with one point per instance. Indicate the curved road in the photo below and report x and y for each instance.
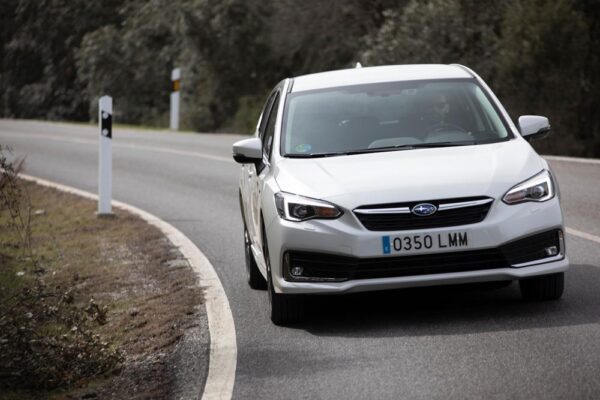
(451, 342)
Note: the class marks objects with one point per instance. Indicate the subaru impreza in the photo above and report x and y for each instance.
(396, 176)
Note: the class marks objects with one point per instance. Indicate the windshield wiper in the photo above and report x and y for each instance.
(439, 144)
(383, 149)
(418, 146)
(347, 153)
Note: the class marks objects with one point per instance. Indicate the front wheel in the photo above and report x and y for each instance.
(255, 278)
(546, 287)
(285, 308)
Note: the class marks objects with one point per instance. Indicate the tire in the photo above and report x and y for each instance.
(254, 277)
(546, 287)
(286, 309)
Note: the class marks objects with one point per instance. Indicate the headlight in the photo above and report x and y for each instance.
(538, 188)
(298, 208)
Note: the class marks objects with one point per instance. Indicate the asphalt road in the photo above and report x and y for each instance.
(454, 342)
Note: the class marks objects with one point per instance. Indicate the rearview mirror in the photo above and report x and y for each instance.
(248, 151)
(533, 126)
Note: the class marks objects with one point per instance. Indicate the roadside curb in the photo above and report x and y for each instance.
(223, 347)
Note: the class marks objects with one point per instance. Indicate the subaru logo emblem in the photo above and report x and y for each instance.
(424, 209)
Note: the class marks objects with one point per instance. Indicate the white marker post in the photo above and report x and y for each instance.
(176, 79)
(105, 111)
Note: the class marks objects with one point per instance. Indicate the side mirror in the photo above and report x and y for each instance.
(533, 127)
(248, 151)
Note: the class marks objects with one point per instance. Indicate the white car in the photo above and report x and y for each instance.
(391, 177)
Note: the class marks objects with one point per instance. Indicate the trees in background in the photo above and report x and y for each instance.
(548, 64)
(131, 59)
(228, 60)
(39, 75)
(540, 56)
(438, 31)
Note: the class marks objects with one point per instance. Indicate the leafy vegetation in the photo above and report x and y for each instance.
(540, 56)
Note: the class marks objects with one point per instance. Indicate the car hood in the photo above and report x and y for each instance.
(411, 175)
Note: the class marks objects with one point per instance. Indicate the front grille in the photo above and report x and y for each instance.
(322, 266)
(318, 266)
(407, 221)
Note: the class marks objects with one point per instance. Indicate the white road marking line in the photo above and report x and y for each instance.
(53, 137)
(583, 235)
(571, 231)
(223, 346)
(573, 159)
(178, 152)
(60, 138)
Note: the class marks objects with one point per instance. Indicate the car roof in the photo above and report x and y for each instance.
(388, 73)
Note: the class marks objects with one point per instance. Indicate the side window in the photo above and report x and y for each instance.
(267, 140)
(262, 123)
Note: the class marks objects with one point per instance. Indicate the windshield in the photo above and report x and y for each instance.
(389, 116)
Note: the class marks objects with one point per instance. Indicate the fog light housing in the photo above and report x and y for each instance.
(296, 271)
(551, 251)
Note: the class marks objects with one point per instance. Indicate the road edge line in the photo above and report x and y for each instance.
(579, 160)
(223, 346)
(583, 235)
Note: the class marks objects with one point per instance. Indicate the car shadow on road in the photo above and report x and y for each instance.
(451, 310)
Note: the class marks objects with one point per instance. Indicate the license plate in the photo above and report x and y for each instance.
(424, 242)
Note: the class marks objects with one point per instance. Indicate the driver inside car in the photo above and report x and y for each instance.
(437, 111)
(439, 118)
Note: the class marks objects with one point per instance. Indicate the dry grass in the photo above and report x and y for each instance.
(122, 263)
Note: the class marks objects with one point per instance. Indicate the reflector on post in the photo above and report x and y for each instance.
(105, 111)
(176, 79)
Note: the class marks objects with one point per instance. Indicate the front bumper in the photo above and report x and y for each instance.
(364, 285)
(347, 237)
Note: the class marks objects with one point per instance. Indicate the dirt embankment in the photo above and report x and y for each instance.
(151, 308)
